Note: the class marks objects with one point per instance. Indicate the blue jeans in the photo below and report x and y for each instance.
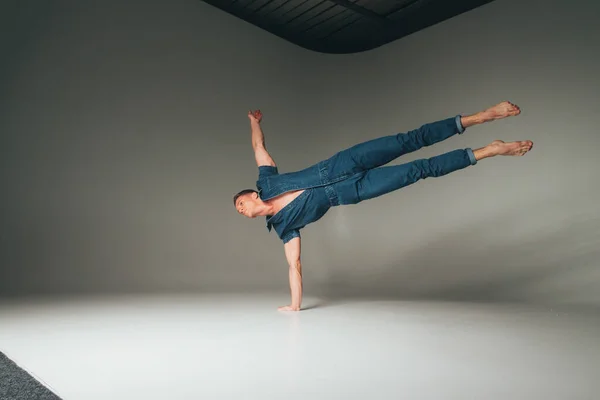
(365, 162)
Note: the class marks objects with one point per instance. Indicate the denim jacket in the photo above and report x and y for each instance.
(271, 184)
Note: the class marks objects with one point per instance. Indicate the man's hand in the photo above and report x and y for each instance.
(255, 116)
(288, 308)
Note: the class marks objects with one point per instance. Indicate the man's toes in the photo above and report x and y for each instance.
(525, 147)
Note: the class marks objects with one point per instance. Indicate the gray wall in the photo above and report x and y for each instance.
(124, 135)
(508, 229)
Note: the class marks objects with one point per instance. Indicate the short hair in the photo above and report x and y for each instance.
(243, 192)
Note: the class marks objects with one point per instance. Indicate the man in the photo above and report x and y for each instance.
(292, 200)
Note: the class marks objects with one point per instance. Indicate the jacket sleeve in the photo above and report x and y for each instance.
(287, 236)
(266, 171)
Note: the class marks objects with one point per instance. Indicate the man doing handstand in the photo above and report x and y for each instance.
(290, 201)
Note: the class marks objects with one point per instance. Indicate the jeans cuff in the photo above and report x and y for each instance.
(461, 128)
(471, 156)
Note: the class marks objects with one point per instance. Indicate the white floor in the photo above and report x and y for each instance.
(240, 347)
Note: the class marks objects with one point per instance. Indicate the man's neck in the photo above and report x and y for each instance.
(266, 209)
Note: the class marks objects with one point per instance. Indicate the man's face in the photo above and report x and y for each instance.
(246, 204)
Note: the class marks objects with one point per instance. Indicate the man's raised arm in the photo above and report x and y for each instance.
(258, 140)
(292, 254)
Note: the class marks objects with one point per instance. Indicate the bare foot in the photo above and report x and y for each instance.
(502, 110)
(500, 148)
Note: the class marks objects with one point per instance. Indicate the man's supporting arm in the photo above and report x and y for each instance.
(292, 254)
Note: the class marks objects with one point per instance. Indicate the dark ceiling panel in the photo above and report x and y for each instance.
(365, 12)
(266, 6)
(328, 23)
(383, 7)
(308, 16)
(344, 26)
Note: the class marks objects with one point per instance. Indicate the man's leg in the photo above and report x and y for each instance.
(377, 152)
(382, 180)
(380, 151)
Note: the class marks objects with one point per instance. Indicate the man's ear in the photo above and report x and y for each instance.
(255, 195)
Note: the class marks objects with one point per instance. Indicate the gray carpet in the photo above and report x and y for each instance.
(16, 384)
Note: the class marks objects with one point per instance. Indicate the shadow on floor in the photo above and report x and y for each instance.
(560, 265)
